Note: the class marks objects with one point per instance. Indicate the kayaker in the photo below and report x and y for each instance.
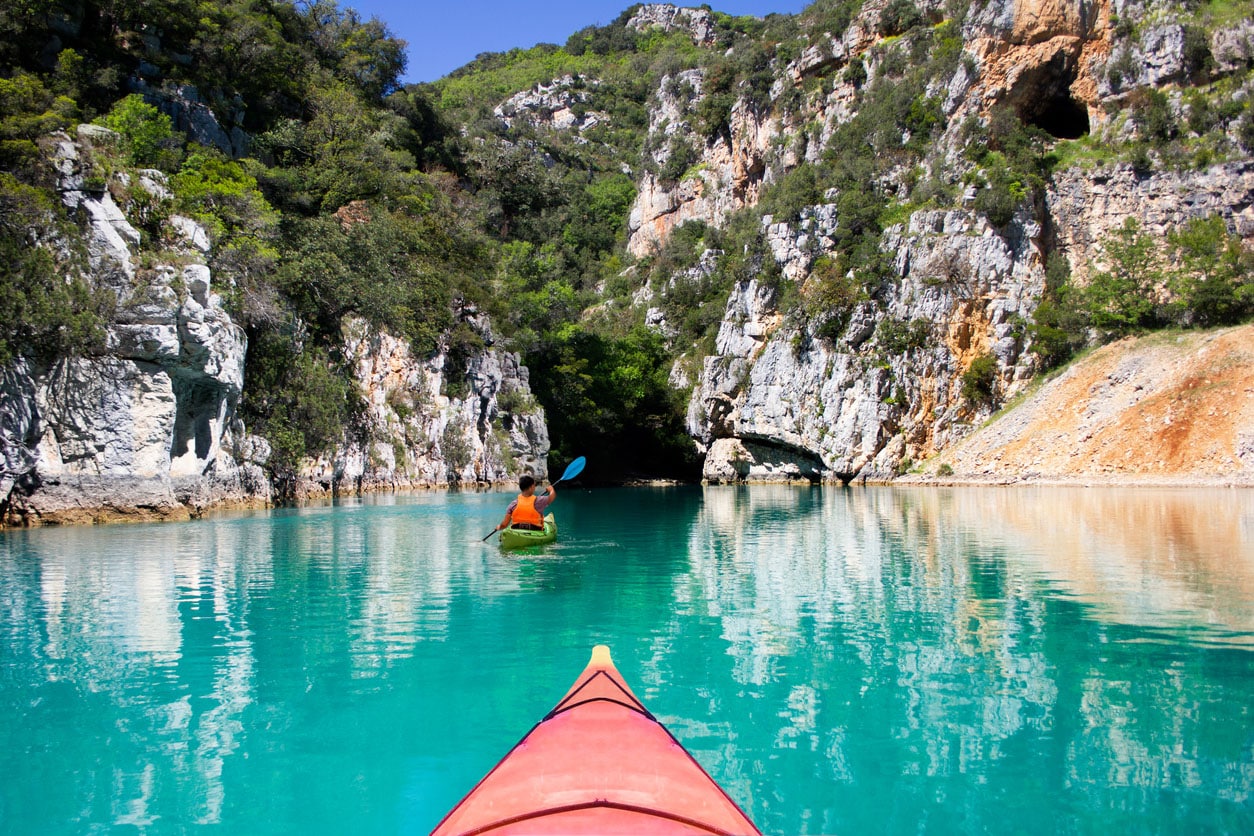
(527, 511)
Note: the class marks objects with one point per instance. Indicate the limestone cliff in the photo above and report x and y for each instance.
(421, 436)
(149, 428)
(775, 402)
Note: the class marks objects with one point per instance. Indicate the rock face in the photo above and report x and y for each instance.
(149, 429)
(699, 23)
(490, 430)
(1084, 206)
(730, 175)
(777, 402)
(558, 105)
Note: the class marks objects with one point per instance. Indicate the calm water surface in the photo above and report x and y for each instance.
(842, 661)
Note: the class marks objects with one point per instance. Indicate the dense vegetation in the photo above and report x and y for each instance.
(356, 196)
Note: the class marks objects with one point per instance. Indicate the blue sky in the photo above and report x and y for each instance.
(445, 35)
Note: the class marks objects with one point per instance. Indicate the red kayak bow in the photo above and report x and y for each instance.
(599, 762)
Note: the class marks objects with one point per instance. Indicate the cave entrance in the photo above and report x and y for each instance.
(1043, 98)
(1062, 117)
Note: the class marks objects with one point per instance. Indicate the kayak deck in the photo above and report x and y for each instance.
(599, 762)
(517, 538)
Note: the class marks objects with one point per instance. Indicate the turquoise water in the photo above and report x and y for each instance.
(842, 661)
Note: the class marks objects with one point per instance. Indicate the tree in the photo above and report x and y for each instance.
(1213, 273)
(146, 132)
(1122, 297)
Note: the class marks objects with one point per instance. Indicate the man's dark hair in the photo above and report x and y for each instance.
(525, 481)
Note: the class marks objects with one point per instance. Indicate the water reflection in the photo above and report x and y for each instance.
(970, 632)
(828, 654)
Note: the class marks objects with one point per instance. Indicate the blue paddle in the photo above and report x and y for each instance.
(572, 470)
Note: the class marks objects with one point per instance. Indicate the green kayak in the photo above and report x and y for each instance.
(517, 538)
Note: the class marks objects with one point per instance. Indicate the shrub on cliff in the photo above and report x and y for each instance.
(48, 310)
(1212, 274)
(147, 133)
(979, 381)
(1122, 296)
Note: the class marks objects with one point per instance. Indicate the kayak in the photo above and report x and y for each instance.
(517, 538)
(599, 762)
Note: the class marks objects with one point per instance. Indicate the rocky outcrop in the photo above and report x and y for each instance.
(558, 105)
(730, 175)
(698, 23)
(784, 399)
(1085, 206)
(149, 429)
(777, 402)
(191, 114)
(433, 422)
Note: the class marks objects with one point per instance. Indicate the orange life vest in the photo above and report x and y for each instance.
(526, 511)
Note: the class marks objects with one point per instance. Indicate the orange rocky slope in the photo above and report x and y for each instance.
(1172, 408)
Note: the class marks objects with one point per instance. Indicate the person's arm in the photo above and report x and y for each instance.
(509, 513)
(545, 501)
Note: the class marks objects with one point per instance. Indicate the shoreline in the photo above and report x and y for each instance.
(113, 515)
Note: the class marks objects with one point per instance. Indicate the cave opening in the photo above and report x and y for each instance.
(1042, 97)
(1062, 117)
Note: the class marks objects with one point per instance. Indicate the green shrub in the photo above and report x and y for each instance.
(1212, 274)
(896, 336)
(899, 16)
(45, 314)
(300, 397)
(1151, 111)
(1123, 297)
(830, 296)
(979, 381)
(147, 133)
(1059, 323)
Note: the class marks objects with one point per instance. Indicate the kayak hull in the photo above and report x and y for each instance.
(599, 762)
(518, 538)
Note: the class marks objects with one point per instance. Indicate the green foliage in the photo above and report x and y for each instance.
(611, 395)
(1198, 61)
(899, 16)
(1014, 163)
(46, 314)
(380, 267)
(830, 297)
(464, 342)
(299, 397)
(1059, 324)
(28, 110)
(147, 134)
(1212, 274)
(898, 337)
(344, 151)
(1123, 297)
(979, 381)
(597, 217)
(1122, 68)
(829, 16)
(223, 197)
(363, 53)
(1152, 112)
(516, 185)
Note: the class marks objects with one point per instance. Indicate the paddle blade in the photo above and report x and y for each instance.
(573, 469)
